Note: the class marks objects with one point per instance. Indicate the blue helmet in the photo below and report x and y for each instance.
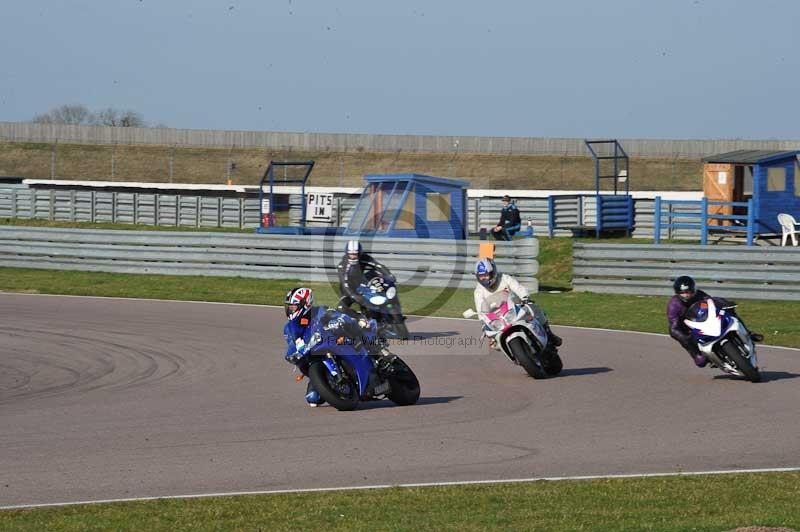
(353, 250)
(486, 273)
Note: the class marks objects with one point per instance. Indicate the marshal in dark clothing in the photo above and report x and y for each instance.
(509, 223)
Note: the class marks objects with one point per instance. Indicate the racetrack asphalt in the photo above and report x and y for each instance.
(111, 398)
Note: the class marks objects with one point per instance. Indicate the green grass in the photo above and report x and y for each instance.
(555, 263)
(777, 320)
(702, 503)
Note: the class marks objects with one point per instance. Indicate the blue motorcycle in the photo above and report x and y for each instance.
(343, 373)
(383, 305)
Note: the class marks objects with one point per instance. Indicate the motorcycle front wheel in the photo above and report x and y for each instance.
(341, 394)
(401, 330)
(553, 364)
(527, 358)
(404, 384)
(734, 354)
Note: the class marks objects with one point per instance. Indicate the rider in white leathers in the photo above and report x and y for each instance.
(490, 281)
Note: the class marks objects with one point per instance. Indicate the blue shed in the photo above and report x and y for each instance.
(411, 206)
(770, 178)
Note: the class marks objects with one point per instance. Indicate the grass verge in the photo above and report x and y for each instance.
(777, 320)
(702, 503)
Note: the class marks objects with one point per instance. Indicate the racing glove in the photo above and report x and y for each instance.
(297, 355)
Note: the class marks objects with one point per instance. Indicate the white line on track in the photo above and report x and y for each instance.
(412, 315)
(415, 485)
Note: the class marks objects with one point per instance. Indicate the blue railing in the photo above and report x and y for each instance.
(612, 212)
(663, 208)
(552, 223)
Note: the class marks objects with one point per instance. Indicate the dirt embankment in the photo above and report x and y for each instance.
(246, 166)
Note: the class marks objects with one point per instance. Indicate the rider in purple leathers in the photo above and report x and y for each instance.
(686, 295)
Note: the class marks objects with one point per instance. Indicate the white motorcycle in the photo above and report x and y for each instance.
(723, 339)
(518, 332)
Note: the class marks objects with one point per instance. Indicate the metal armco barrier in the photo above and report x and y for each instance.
(428, 262)
(728, 271)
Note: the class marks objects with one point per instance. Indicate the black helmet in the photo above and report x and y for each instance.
(684, 287)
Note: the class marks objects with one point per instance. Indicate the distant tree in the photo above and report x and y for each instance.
(65, 114)
(79, 114)
(118, 118)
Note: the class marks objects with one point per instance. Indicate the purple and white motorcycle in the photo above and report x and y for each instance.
(723, 339)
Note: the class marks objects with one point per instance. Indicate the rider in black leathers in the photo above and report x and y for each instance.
(352, 268)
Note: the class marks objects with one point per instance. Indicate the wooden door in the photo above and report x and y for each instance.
(718, 185)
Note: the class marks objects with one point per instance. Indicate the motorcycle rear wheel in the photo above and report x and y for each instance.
(732, 352)
(527, 358)
(342, 396)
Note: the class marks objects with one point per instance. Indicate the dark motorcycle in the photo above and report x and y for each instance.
(379, 292)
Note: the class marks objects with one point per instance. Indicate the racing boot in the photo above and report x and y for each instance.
(699, 358)
(313, 398)
(554, 338)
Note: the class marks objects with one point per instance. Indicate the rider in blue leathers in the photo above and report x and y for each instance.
(343, 323)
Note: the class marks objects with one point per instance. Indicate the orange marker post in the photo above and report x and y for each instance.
(486, 250)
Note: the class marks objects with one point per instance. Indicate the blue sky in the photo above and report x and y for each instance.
(573, 68)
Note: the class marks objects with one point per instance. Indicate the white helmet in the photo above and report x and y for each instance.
(353, 250)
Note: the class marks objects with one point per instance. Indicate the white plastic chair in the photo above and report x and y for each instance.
(788, 224)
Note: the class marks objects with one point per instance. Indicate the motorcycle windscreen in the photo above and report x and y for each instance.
(704, 322)
(698, 311)
(495, 302)
(376, 289)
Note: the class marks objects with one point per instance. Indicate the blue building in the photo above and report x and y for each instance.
(411, 206)
(770, 178)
